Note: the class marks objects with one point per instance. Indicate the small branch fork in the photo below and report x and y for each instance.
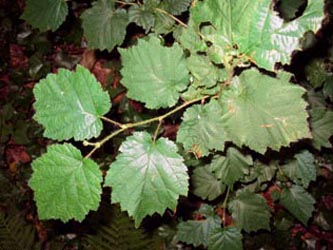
(124, 127)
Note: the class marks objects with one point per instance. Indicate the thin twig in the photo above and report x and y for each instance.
(111, 121)
(171, 16)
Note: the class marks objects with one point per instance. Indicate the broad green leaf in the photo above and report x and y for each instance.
(232, 167)
(225, 239)
(302, 170)
(256, 28)
(316, 72)
(104, 26)
(147, 176)
(250, 211)
(163, 24)
(45, 15)
(289, 8)
(328, 87)
(154, 74)
(197, 232)
(175, 7)
(200, 130)
(142, 16)
(69, 104)
(205, 184)
(298, 202)
(258, 113)
(321, 124)
(66, 185)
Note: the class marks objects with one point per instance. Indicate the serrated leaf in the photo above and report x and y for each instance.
(154, 74)
(258, 113)
(298, 202)
(69, 104)
(227, 239)
(175, 7)
(200, 130)
(142, 16)
(256, 28)
(321, 124)
(197, 232)
(302, 170)
(156, 172)
(104, 26)
(250, 211)
(205, 184)
(66, 186)
(232, 167)
(45, 15)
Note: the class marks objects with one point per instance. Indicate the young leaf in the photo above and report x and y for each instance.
(205, 184)
(227, 239)
(45, 15)
(302, 170)
(66, 186)
(264, 42)
(321, 123)
(298, 202)
(68, 104)
(250, 211)
(154, 74)
(147, 176)
(232, 167)
(197, 232)
(104, 26)
(200, 130)
(258, 113)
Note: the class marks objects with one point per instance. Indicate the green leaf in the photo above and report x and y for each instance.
(227, 239)
(104, 26)
(156, 172)
(197, 232)
(232, 167)
(258, 113)
(298, 202)
(142, 16)
(45, 15)
(175, 7)
(256, 28)
(316, 72)
(302, 170)
(154, 74)
(69, 104)
(321, 123)
(200, 130)
(289, 8)
(205, 184)
(250, 211)
(66, 185)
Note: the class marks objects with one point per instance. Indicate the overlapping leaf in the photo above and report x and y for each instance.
(46, 14)
(250, 211)
(256, 28)
(104, 26)
(156, 172)
(175, 7)
(298, 202)
(227, 239)
(68, 104)
(154, 74)
(66, 186)
(321, 123)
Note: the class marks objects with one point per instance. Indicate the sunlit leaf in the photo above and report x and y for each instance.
(66, 186)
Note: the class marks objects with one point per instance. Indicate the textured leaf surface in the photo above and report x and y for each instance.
(66, 186)
(250, 211)
(205, 184)
(104, 26)
(298, 202)
(142, 16)
(175, 7)
(154, 74)
(227, 239)
(45, 15)
(232, 167)
(157, 173)
(322, 127)
(258, 113)
(302, 170)
(198, 232)
(289, 8)
(68, 104)
(256, 28)
(200, 130)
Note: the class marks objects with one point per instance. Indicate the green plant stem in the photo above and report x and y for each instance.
(124, 3)
(225, 207)
(111, 121)
(157, 130)
(124, 127)
(171, 16)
